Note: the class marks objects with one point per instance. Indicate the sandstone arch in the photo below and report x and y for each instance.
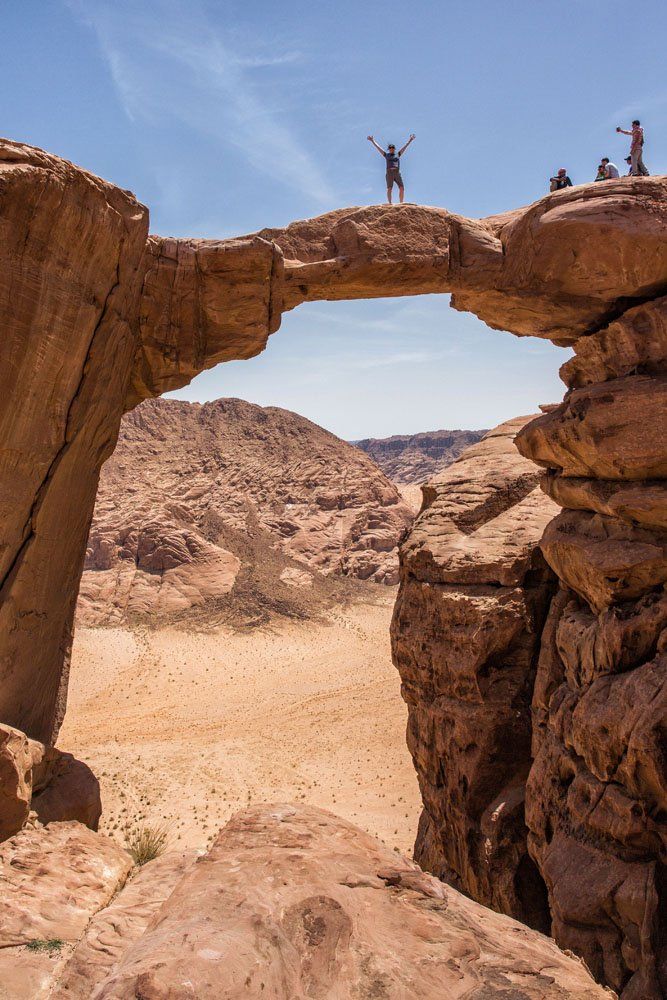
(96, 316)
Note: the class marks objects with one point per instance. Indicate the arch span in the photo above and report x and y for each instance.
(97, 316)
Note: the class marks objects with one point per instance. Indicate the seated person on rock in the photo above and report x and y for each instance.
(393, 161)
(601, 175)
(610, 169)
(561, 180)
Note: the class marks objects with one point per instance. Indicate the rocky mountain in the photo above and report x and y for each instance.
(227, 498)
(411, 459)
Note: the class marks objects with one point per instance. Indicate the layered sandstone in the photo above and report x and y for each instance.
(338, 916)
(96, 318)
(411, 459)
(597, 791)
(465, 637)
(190, 486)
(43, 781)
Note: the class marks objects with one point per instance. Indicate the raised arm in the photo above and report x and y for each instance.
(625, 131)
(377, 145)
(411, 139)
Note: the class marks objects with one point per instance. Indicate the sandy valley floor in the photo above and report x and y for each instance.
(185, 728)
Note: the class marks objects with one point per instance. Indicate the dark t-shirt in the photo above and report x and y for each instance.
(563, 182)
(393, 161)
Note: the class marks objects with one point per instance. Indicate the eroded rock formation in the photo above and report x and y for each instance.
(96, 318)
(199, 499)
(339, 915)
(597, 791)
(43, 781)
(465, 637)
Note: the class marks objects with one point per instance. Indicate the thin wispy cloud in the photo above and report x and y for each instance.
(167, 61)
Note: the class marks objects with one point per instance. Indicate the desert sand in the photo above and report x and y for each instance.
(184, 728)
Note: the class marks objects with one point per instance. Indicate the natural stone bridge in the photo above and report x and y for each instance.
(97, 315)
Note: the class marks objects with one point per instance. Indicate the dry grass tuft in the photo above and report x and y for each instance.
(146, 842)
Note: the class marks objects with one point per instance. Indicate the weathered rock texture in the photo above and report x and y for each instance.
(465, 636)
(96, 318)
(114, 929)
(54, 879)
(597, 791)
(411, 459)
(291, 902)
(189, 484)
(44, 781)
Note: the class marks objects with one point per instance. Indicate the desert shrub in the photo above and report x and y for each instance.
(146, 842)
(52, 945)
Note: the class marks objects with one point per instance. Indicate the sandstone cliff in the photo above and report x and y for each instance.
(411, 459)
(97, 317)
(201, 501)
(597, 790)
(474, 595)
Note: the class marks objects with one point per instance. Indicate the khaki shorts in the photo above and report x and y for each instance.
(394, 177)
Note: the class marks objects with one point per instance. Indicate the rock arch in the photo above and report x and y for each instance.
(97, 315)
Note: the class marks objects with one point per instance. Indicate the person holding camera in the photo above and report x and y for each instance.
(561, 180)
(636, 148)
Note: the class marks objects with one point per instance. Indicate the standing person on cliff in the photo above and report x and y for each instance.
(393, 161)
(636, 148)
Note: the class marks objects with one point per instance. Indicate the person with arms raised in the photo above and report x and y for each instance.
(393, 163)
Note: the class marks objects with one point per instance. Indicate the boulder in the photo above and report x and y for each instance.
(15, 781)
(603, 559)
(634, 343)
(641, 503)
(292, 902)
(612, 430)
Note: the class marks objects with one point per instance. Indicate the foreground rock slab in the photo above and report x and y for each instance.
(114, 929)
(292, 902)
(52, 881)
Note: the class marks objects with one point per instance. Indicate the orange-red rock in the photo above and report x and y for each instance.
(53, 879)
(198, 500)
(292, 902)
(465, 637)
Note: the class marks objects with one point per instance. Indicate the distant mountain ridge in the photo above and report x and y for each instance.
(410, 459)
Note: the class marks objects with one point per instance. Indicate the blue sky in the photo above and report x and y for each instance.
(226, 116)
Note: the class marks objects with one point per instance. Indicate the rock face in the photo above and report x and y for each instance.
(53, 785)
(413, 458)
(465, 637)
(597, 790)
(97, 317)
(114, 929)
(292, 902)
(54, 879)
(70, 274)
(188, 485)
